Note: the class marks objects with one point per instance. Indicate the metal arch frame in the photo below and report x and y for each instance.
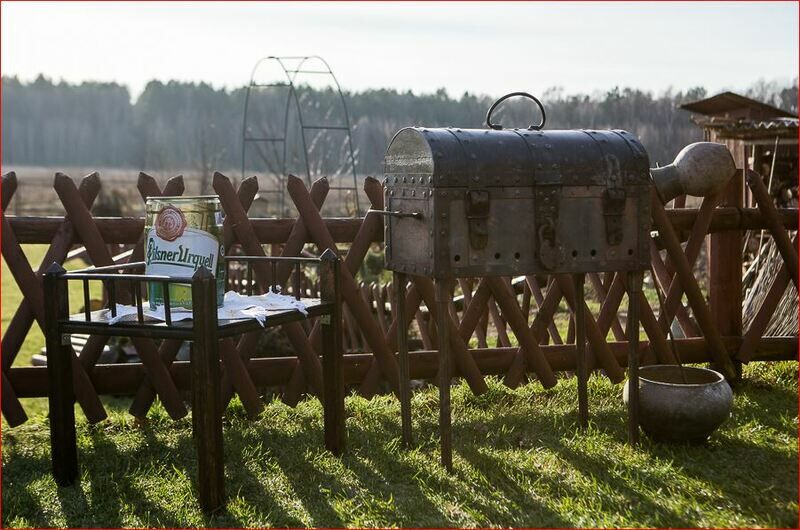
(292, 95)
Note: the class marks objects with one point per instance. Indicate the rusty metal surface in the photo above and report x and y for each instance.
(495, 202)
(516, 201)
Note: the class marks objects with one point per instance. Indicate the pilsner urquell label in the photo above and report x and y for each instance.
(183, 234)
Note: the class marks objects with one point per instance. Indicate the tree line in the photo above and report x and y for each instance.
(193, 126)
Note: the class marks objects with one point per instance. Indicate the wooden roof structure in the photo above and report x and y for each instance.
(732, 105)
(733, 116)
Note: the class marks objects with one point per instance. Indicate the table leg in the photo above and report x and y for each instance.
(400, 281)
(580, 352)
(332, 356)
(443, 332)
(206, 394)
(60, 395)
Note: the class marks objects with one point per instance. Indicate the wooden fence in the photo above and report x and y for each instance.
(710, 323)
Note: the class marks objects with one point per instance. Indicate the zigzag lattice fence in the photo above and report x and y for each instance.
(528, 307)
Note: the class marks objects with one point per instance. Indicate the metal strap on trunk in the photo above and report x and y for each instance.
(614, 198)
(476, 201)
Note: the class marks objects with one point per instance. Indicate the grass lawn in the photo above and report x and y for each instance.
(34, 342)
(519, 461)
(12, 296)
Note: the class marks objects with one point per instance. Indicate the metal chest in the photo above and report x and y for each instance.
(467, 202)
(475, 202)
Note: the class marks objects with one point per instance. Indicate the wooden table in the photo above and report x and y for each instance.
(204, 330)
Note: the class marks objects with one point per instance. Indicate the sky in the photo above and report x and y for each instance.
(482, 48)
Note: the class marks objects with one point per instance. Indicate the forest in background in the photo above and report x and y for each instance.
(192, 126)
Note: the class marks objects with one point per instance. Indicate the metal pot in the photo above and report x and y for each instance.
(674, 409)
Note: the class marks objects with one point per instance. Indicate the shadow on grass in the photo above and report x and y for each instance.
(283, 477)
(518, 506)
(103, 471)
(504, 474)
(110, 477)
(741, 461)
(242, 482)
(376, 460)
(19, 474)
(778, 400)
(749, 474)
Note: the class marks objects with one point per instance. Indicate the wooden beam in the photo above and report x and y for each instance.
(127, 230)
(123, 379)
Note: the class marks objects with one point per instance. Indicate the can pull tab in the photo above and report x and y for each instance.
(477, 215)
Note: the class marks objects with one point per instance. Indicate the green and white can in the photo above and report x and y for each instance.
(183, 234)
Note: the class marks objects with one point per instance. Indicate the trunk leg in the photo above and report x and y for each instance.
(400, 280)
(634, 287)
(443, 329)
(580, 352)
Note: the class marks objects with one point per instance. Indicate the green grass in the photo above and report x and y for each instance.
(519, 461)
(12, 296)
(34, 342)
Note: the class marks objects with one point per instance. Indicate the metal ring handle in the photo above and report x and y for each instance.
(498, 127)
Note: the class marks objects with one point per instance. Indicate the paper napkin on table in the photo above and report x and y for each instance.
(235, 306)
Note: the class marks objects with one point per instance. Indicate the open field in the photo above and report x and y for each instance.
(119, 196)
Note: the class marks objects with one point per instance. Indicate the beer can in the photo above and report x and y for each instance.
(183, 234)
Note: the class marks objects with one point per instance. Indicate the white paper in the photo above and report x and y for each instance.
(235, 306)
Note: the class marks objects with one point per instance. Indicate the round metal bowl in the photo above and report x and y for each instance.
(674, 410)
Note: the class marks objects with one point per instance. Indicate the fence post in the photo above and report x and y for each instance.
(725, 270)
(61, 395)
(206, 393)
